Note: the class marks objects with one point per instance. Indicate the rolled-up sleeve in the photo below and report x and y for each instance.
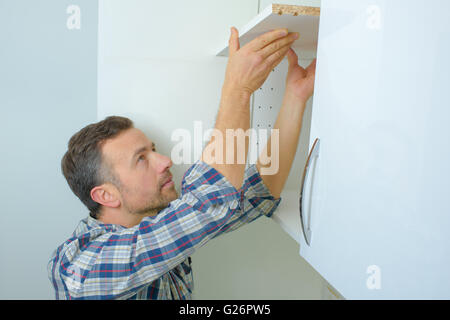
(256, 201)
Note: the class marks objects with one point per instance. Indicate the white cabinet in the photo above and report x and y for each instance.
(377, 194)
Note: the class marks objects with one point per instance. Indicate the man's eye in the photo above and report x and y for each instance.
(142, 157)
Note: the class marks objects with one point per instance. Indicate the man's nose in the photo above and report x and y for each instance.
(163, 163)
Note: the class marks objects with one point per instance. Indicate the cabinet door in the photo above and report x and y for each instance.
(378, 192)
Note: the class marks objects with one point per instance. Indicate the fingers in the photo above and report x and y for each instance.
(233, 43)
(266, 38)
(273, 60)
(276, 45)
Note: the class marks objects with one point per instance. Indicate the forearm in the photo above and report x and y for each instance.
(256, 201)
(234, 114)
(289, 123)
(247, 69)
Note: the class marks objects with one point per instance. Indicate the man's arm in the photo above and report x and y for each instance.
(299, 88)
(256, 201)
(106, 261)
(247, 69)
(260, 194)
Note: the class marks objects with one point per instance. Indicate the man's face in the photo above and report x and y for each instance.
(142, 172)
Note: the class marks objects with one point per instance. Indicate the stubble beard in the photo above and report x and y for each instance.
(157, 203)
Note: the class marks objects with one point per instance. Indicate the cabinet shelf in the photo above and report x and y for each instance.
(301, 19)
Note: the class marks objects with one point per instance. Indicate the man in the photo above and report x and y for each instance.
(137, 241)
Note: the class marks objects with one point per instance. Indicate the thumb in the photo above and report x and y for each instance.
(311, 70)
(292, 58)
(233, 43)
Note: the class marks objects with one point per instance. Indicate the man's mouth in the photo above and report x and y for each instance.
(168, 183)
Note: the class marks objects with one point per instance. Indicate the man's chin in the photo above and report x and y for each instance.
(174, 195)
(166, 198)
(170, 190)
(168, 195)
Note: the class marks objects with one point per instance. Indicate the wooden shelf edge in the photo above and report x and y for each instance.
(295, 10)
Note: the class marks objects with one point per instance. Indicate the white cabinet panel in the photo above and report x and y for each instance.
(183, 30)
(379, 211)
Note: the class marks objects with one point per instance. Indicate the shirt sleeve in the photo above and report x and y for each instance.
(110, 265)
(256, 201)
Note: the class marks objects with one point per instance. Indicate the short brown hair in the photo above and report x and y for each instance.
(83, 165)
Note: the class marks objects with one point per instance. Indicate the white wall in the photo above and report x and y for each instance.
(47, 93)
(157, 65)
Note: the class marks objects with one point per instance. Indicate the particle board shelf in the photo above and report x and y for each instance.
(301, 19)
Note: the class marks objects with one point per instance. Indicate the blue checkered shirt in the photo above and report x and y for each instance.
(152, 259)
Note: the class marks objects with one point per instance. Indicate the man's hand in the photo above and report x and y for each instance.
(248, 67)
(299, 88)
(299, 81)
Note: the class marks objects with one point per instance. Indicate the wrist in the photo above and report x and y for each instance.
(296, 104)
(234, 92)
(293, 98)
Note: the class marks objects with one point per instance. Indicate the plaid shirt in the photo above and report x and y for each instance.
(152, 259)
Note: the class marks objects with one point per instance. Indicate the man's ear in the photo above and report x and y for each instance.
(106, 195)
